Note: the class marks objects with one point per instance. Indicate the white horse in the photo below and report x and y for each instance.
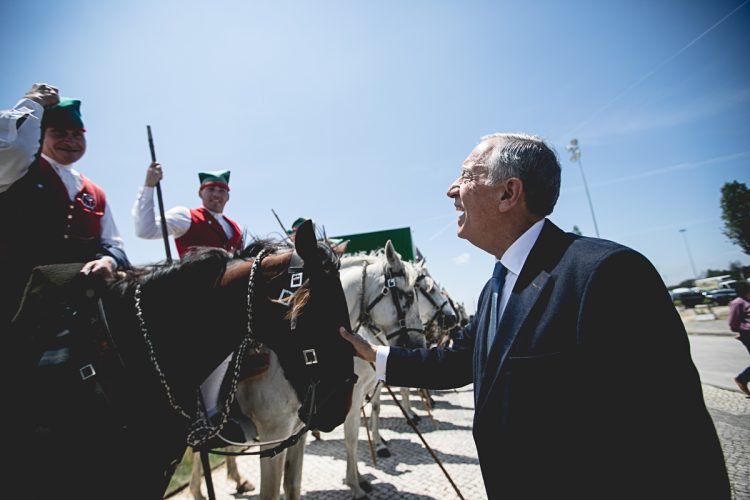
(383, 309)
(438, 318)
(272, 403)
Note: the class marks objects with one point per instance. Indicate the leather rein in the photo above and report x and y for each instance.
(200, 430)
(391, 289)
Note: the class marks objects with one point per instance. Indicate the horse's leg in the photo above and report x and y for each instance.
(271, 470)
(381, 447)
(351, 437)
(272, 404)
(233, 472)
(365, 383)
(406, 404)
(196, 478)
(293, 470)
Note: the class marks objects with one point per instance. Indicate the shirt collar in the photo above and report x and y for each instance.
(215, 214)
(515, 256)
(56, 164)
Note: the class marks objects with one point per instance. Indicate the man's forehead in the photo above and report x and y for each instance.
(481, 151)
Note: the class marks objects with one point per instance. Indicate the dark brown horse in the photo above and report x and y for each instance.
(105, 403)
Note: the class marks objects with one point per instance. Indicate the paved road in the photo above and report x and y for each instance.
(718, 358)
(411, 474)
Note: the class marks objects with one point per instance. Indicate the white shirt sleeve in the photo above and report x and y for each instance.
(148, 224)
(381, 360)
(110, 235)
(18, 145)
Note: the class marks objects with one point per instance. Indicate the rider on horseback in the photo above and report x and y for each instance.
(206, 226)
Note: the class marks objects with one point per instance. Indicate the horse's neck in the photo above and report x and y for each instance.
(351, 281)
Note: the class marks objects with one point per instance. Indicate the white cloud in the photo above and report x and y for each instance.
(462, 260)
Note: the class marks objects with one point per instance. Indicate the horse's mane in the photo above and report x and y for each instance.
(377, 256)
(200, 266)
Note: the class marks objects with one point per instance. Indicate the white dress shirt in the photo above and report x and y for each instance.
(513, 259)
(18, 145)
(148, 223)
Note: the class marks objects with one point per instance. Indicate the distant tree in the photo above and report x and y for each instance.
(577, 231)
(737, 270)
(735, 211)
(686, 284)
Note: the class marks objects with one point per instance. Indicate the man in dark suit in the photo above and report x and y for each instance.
(576, 394)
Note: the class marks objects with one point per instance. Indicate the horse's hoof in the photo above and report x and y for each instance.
(384, 453)
(245, 487)
(365, 485)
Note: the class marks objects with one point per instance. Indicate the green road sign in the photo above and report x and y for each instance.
(368, 242)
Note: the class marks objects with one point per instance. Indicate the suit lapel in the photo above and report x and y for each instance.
(534, 279)
(519, 306)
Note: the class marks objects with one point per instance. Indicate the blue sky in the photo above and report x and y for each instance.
(358, 114)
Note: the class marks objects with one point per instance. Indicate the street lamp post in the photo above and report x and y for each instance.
(690, 255)
(575, 156)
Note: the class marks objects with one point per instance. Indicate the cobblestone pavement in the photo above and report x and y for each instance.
(412, 474)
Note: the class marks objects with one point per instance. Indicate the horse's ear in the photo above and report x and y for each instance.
(305, 242)
(394, 261)
(340, 249)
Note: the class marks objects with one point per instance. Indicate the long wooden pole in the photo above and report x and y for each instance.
(164, 234)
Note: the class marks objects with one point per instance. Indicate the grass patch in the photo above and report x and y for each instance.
(181, 477)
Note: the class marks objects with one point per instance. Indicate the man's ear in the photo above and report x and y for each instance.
(512, 194)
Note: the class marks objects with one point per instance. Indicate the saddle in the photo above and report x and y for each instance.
(62, 347)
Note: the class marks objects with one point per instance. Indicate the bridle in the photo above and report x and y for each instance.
(391, 289)
(438, 318)
(200, 430)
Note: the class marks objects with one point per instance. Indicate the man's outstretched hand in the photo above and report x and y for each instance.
(362, 348)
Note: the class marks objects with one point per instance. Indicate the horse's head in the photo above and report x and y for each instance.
(315, 317)
(435, 309)
(381, 288)
(297, 312)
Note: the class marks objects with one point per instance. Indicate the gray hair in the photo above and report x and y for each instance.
(530, 159)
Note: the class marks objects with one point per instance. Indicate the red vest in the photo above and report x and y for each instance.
(205, 231)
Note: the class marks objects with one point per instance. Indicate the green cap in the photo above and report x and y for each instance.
(297, 223)
(218, 178)
(64, 115)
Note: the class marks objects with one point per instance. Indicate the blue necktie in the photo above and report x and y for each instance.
(497, 281)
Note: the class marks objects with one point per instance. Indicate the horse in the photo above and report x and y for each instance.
(438, 318)
(108, 401)
(380, 294)
(270, 400)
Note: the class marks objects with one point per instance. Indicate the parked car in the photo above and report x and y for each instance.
(687, 296)
(721, 296)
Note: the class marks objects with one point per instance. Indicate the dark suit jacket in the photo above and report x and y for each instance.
(589, 390)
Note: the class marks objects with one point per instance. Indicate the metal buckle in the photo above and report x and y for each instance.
(285, 297)
(311, 358)
(402, 323)
(87, 372)
(296, 280)
(390, 282)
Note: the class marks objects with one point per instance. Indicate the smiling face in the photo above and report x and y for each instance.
(477, 202)
(65, 146)
(214, 197)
